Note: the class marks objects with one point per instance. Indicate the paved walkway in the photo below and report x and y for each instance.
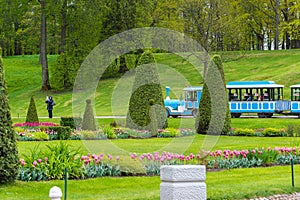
(294, 196)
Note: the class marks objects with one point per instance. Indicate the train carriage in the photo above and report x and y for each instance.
(261, 97)
(295, 99)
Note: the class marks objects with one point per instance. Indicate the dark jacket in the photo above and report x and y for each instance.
(50, 103)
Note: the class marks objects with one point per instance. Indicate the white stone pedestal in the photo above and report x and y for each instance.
(183, 182)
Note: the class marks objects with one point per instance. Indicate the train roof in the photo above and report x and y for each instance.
(193, 88)
(252, 84)
(295, 86)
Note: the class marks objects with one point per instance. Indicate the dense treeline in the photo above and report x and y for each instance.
(75, 27)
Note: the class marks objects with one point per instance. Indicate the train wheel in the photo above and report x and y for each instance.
(194, 113)
(236, 115)
(269, 115)
(167, 114)
(260, 115)
(174, 116)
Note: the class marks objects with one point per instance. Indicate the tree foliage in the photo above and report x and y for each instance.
(88, 121)
(32, 115)
(146, 106)
(9, 160)
(75, 27)
(214, 115)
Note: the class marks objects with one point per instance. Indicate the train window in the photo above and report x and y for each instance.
(191, 95)
(295, 94)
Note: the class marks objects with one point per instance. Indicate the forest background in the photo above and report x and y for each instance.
(72, 28)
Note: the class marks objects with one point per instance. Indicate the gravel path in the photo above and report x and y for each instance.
(294, 196)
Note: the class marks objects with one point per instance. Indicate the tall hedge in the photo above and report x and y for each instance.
(9, 160)
(146, 106)
(88, 121)
(32, 115)
(219, 121)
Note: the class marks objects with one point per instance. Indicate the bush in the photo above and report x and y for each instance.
(32, 115)
(244, 132)
(213, 94)
(146, 96)
(293, 130)
(271, 132)
(63, 132)
(51, 163)
(169, 132)
(73, 122)
(109, 132)
(9, 160)
(88, 122)
(88, 135)
(40, 135)
(121, 133)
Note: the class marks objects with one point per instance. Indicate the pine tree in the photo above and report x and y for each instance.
(146, 106)
(9, 160)
(88, 122)
(219, 121)
(32, 115)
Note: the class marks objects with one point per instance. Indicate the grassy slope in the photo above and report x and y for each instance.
(23, 77)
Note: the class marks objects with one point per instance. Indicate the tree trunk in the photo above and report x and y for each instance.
(276, 42)
(63, 28)
(123, 67)
(43, 51)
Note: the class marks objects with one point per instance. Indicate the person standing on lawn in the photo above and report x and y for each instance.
(50, 103)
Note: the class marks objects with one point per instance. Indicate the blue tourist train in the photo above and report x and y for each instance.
(183, 107)
(262, 97)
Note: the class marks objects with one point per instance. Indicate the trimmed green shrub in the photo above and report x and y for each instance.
(9, 160)
(40, 135)
(293, 130)
(63, 132)
(109, 132)
(271, 132)
(244, 132)
(146, 96)
(88, 122)
(32, 115)
(73, 122)
(85, 134)
(214, 99)
(169, 132)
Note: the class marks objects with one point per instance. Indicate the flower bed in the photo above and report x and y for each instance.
(50, 131)
(290, 131)
(220, 159)
(50, 163)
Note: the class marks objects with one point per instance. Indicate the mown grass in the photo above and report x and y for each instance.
(253, 123)
(23, 77)
(227, 184)
(187, 145)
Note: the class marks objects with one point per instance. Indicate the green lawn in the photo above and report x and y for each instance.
(254, 123)
(227, 184)
(280, 66)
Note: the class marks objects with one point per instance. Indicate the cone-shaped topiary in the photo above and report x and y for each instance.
(146, 96)
(216, 91)
(32, 115)
(9, 160)
(88, 121)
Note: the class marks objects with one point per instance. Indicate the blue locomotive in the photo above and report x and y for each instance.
(183, 107)
(262, 97)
